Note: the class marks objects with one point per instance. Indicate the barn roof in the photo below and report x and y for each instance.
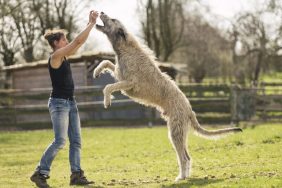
(86, 56)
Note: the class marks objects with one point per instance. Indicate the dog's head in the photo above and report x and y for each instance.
(113, 28)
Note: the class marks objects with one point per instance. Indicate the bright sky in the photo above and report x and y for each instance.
(123, 10)
(126, 12)
(227, 8)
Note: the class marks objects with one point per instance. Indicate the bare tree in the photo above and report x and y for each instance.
(29, 20)
(8, 45)
(258, 40)
(163, 26)
(26, 24)
(9, 40)
(252, 36)
(205, 51)
(275, 45)
(275, 7)
(58, 14)
(238, 63)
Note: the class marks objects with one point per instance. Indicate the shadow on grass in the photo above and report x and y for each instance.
(192, 182)
(92, 186)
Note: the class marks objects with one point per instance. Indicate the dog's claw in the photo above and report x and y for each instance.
(107, 103)
(95, 75)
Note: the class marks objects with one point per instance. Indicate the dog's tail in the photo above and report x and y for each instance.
(211, 134)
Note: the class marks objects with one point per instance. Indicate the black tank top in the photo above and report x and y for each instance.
(62, 81)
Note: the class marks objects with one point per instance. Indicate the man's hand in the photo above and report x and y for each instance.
(93, 15)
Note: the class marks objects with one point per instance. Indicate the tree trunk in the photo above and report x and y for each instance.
(257, 69)
(28, 54)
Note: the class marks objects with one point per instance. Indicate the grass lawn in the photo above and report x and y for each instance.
(143, 157)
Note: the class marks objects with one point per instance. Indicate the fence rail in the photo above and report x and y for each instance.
(216, 103)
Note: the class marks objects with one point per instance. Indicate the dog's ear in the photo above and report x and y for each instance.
(121, 33)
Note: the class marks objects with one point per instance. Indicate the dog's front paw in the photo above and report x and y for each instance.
(107, 102)
(96, 73)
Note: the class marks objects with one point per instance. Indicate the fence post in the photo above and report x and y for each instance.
(12, 106)
(264, 112)
(243, 103)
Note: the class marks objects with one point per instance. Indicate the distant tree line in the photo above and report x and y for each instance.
(260, 35)
(23, 22)
(251, 46)
(176, 30)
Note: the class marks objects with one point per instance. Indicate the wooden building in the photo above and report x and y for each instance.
(36, 75)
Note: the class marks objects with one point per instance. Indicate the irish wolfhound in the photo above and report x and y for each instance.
(139, 78)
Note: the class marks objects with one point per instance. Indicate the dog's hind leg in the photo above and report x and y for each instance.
(105, 64)
(110, 88)
(178, 134)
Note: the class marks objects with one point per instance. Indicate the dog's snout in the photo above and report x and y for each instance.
(102, 13)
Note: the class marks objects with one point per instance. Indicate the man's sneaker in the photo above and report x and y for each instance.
(78, 178)
(40, 180)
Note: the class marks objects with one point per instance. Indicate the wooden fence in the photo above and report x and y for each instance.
(209, 101)
(213, 103)
(269, 101)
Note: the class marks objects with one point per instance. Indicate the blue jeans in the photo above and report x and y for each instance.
(66, 122)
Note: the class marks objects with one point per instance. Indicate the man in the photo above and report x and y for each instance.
(62, 106)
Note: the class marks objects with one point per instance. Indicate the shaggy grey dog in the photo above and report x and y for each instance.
(139, 78)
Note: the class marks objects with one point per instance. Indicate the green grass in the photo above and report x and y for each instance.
(272, 77)
(143, 157)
